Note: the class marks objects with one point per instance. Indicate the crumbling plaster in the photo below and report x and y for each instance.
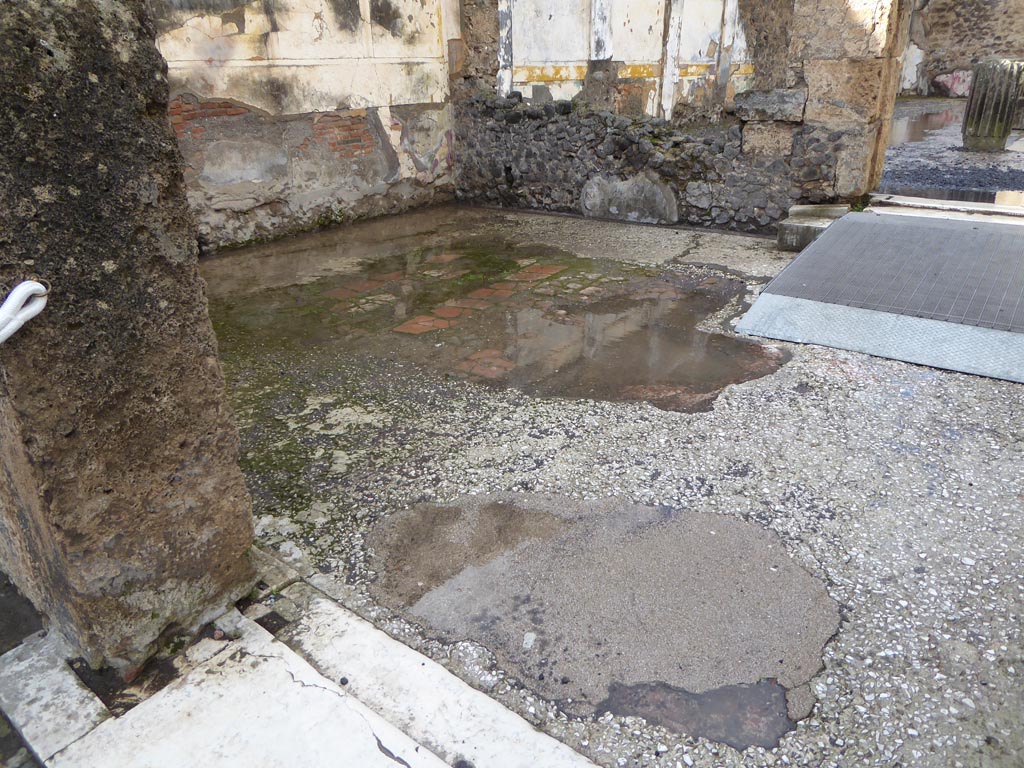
(743, 110)
(259, 84)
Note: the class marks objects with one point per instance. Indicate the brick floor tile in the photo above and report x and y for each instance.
(342, 293)
(482, 293)
(423, 324)
(451, 312)
(545, 269)
(471, 304)
(484, 354)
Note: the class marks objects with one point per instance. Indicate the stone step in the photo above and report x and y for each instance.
(251, 700)
(806, 223)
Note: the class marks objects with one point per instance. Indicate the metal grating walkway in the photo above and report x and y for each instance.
(948, 293)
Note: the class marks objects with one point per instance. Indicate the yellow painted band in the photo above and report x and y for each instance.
(560, 73)
(552, 73)
(694, 70)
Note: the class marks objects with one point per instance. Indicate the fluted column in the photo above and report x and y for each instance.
(992, 104)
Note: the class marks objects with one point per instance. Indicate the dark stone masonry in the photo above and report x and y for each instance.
(564, 156)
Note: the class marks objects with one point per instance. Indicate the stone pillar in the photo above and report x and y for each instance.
(123, 512)
(995, 92)
(849, 52)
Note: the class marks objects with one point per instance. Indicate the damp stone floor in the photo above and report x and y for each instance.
(532, 448)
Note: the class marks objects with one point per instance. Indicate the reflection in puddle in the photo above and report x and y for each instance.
(632, 349)
(527, 318)
(18, 619)
(1012, 198)
(438, 542)
(932, 163)
(916, 128)
(738, 715)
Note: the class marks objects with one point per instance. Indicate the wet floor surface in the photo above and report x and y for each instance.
(591, 600)
(738, 715)
(527, 317)
(926, 158)
(18, 619)
(890, 487)
(13, 751)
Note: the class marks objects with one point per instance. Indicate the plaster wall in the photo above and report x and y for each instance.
(743, 109)
(296, 113)
(670, 53)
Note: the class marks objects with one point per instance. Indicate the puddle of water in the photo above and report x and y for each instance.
(915, 128)
(439, 542)
(1012, 198)
(738, 715)
(524, 317)
(18, 619)
(624, 348)
(574, 597)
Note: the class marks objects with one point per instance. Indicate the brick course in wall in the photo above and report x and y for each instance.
(348, 134)
(254, 175)
(186, 113)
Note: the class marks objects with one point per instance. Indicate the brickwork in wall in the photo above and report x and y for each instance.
(254, 175)
(187, 114)
(347, 134)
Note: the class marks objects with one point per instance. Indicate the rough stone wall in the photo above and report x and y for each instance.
(123, 513)
(479, 23)
(768, 27)
(948, 37)
(812, 129)
(297, 113)
(566, 157)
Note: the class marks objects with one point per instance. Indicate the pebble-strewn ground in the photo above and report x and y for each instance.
(926, 153)
(898, 486)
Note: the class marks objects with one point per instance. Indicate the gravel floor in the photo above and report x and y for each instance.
(926, 154)
(898, 486)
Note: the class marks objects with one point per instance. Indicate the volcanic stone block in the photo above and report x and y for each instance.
(850, 29)
(123, 513)
(638, 199)
(783, 104)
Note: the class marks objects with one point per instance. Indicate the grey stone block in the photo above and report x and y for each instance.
(806, 223)
(782, 104)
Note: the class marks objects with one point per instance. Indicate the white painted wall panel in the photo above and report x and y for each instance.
(701, 32)
(638, 28)
(549, 31)
(733, 38)
(416, 33)
(340, 84)
(306, 60)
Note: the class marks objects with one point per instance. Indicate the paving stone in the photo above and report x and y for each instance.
(44, 699)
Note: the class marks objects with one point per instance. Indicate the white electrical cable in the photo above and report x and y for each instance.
(25, 302)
